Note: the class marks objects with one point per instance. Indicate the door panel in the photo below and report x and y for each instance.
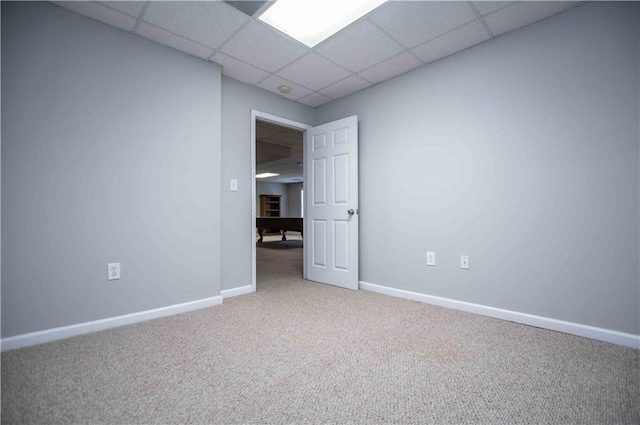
(319, 185)
(341, 180)
(332, 203)
(319, 141)
(319, 237)
(341, 244)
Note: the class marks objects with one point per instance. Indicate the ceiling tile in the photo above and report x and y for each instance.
(359, 46)
(168, 39)
(452, 42)
(486, 7)
(288, 138)
(415, 22)
(273, 82)
(313, 71)
(131, 8)
(249, 7)
(99, 13)
(207, 22)
(239, 70)
(345, 87)
(265, 131)
(314, 100)
(520, 14)
(397, 65)
(263, 47)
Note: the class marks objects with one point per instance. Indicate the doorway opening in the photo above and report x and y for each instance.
(277, 147)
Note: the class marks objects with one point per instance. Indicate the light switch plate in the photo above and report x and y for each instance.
(233, 185)
(431, 258)
(464, 262)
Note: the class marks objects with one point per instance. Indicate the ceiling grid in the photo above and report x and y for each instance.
(395, 38)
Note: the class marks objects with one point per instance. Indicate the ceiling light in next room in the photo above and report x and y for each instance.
(265, 175)
(311, 21)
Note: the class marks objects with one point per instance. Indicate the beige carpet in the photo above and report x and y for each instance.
(300, 352)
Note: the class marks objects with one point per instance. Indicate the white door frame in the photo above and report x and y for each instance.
(263, 116)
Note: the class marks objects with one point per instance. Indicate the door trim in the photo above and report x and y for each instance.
(264, 116)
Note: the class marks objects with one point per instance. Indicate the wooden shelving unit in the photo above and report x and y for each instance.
(270, 205)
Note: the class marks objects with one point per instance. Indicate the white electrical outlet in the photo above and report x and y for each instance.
(113, 271)
(464, 262)
(431, 258)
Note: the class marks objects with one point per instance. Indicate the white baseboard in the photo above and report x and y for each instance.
(600, 334)
(234, 292)
(48, 335)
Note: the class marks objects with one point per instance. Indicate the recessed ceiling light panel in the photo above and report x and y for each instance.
(311, 21)
(265, 175)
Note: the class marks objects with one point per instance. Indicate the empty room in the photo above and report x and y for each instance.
(461, 209)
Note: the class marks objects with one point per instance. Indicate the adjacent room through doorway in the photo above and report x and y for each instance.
(279, 202)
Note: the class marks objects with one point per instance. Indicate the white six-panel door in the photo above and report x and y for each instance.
(331, 192)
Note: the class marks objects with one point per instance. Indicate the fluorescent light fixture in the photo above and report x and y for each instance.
(265, 175)
(311, 21)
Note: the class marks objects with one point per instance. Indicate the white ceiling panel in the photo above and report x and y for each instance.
(347, 86)
(359, 46)
(314, 100)
(452, 42)
(313, 71)
(131, 8)
(263, 47)
(416, 22)
(208, 23)
(397, 65)
(273, 82)
(486, 7)
(99, 13)
(520, 14)
(239, 70)
(168, 39)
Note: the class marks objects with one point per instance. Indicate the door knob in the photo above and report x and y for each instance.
(351, 211)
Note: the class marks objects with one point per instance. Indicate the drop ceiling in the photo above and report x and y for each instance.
(393, 39)
(279, 150)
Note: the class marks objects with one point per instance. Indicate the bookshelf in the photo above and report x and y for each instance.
(270, 205)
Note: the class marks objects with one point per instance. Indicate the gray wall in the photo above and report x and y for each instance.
(110, 153)
(270, 188)
(238, 100)
(294, 200)
(521, 152)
